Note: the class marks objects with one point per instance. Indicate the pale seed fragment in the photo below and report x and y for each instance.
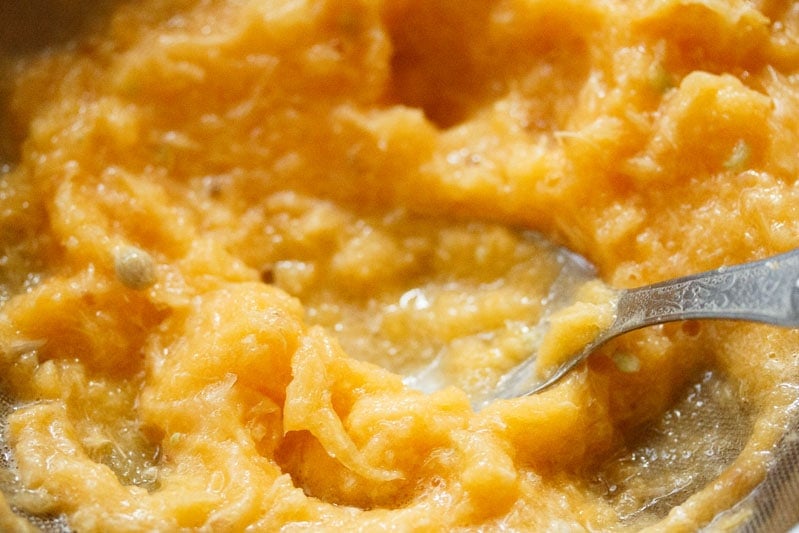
(134, 267)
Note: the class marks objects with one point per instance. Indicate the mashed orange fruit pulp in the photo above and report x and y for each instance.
(230, 228)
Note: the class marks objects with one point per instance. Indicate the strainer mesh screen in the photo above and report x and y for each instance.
(9, 482)
(775, 503)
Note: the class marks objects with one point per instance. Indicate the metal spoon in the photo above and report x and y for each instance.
(765, 291)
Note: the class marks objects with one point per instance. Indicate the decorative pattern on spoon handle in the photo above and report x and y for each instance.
(761, 291)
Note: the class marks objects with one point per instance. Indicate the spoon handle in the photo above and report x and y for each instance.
(761, 291)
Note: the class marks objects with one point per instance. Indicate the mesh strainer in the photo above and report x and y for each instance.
(10, 483)
(774, 504)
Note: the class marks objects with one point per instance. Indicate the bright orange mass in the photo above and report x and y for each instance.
(229, 230)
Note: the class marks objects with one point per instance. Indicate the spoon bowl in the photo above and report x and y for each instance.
(765, 291)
